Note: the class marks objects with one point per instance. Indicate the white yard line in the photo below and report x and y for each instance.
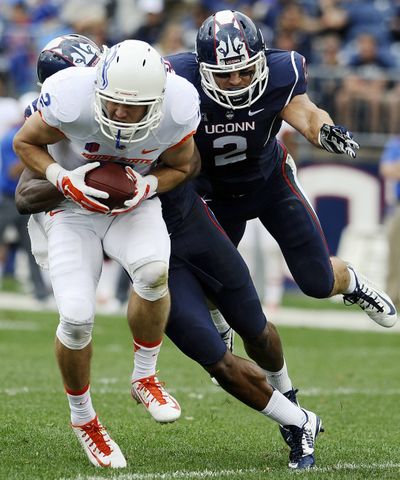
(358, 466)
(229, 473)
(174, 475)
(200, 392)
(19, 325)
(351, 319)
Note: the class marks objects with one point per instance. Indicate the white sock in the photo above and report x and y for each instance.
(353, 283)
(80, 403)
(146, 355)
(283, 411)
(219, 321)
(280, 379)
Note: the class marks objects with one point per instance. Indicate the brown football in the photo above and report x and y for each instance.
(111, 178)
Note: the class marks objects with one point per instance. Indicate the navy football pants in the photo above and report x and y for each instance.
(205, 262)
(286, 213)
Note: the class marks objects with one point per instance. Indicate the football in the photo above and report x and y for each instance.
(111, 178)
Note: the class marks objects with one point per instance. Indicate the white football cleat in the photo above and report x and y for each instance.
(101, 450)
(159, 403)
(375, 303)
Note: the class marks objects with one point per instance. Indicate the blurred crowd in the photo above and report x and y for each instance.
(352, 48)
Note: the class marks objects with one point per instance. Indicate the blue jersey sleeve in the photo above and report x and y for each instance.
(287, 74)
(300, 67)
(184, 65)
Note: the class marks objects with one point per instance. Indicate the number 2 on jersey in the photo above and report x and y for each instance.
(237, 154)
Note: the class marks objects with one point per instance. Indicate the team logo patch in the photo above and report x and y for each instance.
(231, 47)
(92, 147)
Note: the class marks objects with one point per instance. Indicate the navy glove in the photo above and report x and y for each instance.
(337, 139)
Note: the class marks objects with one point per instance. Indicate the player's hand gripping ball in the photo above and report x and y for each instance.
(113, 179)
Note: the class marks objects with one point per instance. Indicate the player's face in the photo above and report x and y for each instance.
(120, 112)
(234, 80)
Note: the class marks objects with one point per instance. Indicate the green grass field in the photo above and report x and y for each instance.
(350, 378)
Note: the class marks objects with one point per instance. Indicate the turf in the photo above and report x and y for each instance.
(350, 378)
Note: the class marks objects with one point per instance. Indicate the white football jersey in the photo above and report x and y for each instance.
(67, 103)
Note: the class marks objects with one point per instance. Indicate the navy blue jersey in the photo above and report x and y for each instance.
(238, 148)
(176, 204)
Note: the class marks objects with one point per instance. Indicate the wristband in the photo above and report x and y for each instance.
(152, 180)
(52, 173)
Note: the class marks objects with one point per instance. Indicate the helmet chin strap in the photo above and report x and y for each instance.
(118, 140)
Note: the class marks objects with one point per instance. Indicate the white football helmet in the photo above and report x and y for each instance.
(132, 73)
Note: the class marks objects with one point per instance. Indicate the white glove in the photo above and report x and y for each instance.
(71, 184)
(145, 187)
(337, 139)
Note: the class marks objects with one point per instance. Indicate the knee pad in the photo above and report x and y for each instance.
(73, 335)
(76, 322)
(150, 281)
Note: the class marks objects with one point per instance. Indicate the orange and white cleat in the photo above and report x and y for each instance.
(159, 403)
(101, 450)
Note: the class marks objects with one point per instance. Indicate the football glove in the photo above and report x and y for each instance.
(71, 184)
(145, 187)
(337, 139)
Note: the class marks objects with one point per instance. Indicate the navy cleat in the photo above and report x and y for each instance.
(375, 303)
(285, 432)
(301, 455)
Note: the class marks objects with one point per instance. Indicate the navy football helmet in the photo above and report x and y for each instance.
(226, 42)
(66, 51)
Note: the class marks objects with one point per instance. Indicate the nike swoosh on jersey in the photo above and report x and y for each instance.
(255, 112)
(54, 212)
(144, 151)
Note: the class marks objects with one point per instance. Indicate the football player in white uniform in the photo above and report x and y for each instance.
(126, 109)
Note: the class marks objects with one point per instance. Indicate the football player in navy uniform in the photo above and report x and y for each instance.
(246, 92)
(204, 261)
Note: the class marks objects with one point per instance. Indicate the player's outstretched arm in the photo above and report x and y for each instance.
(34, 194)
(317, 126)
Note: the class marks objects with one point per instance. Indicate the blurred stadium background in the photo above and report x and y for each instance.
(352, 48)
(350, 377)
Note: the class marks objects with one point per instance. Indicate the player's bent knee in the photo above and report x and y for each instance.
(224, 369)
(150, 281)
(317, 280)
(76, 322)
(317, 290)
(74, 336)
